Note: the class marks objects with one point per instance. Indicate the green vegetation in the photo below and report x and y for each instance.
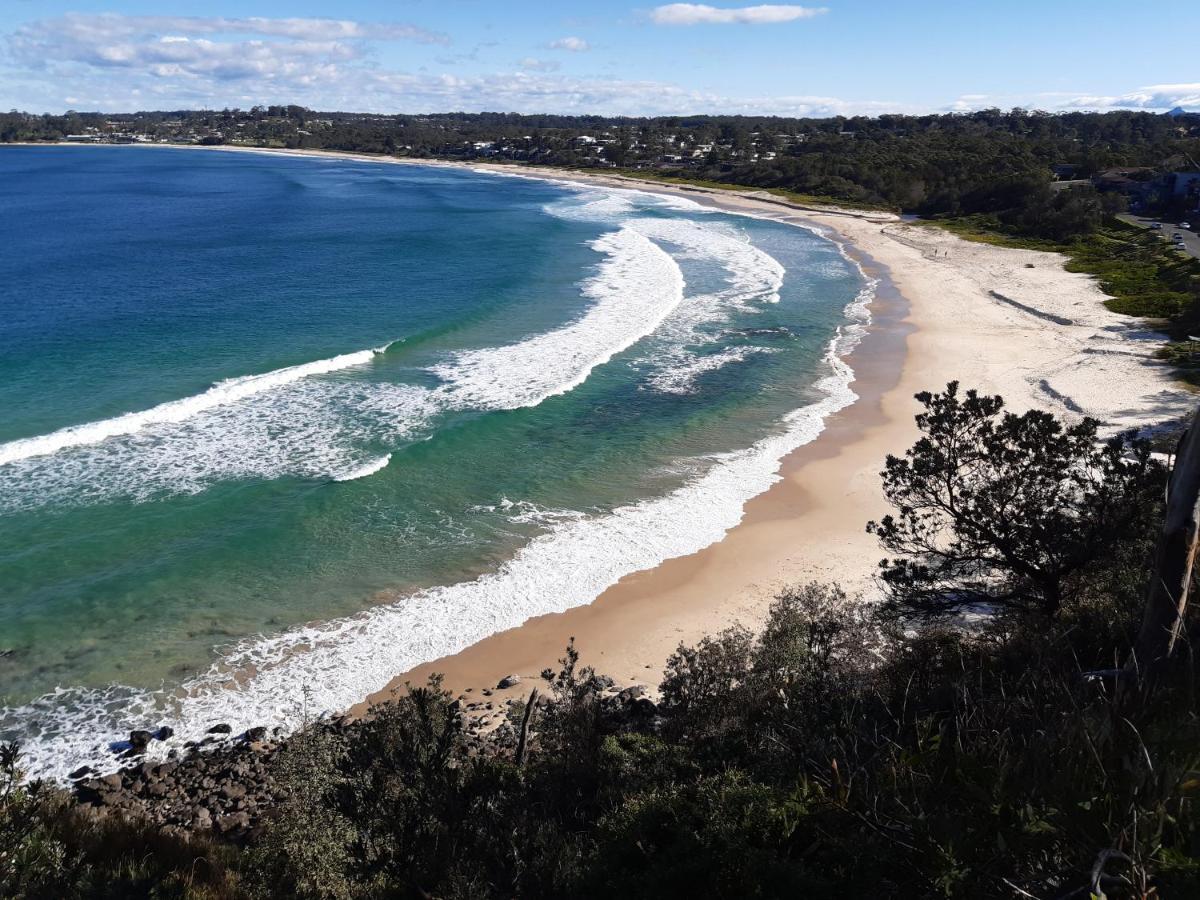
(782, 193)
(1002, 511)
(834, 753)
(51, 848)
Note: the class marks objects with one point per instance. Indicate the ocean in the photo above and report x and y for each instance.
(276, 429)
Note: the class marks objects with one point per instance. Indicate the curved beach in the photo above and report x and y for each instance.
(1046, 342)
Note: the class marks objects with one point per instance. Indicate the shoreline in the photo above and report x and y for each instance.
(625, 632)
(943, 311)
(1047, 342)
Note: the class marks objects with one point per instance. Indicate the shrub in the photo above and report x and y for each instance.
(1004, 511)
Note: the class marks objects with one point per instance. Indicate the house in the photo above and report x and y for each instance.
(1137, 183)
(1127, 180)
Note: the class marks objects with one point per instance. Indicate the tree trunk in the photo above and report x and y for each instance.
(523, 740)
(1175, 560)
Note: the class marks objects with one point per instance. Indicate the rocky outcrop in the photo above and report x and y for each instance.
(225, 785)
(226, 789)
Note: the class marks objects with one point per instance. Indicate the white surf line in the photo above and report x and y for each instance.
(637, 286)
(222, 393)
(363, 471)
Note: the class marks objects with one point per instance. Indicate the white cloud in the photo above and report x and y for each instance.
(77, 29)
(703, 14)
(129, 63)
(530, 64)
(1155, 96)
(571, 43)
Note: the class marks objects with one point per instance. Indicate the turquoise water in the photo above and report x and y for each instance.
(291, 426)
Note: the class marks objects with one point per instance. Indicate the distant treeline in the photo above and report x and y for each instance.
(988, 161)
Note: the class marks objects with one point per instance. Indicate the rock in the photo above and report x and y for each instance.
(81, 772)
(139, 739)
(256, 734)
(111, 782)
(221, 728)
(158, 789)
(486, 692)
(233, 822)
(644, 706)
(508, 681)
(632, 693)
(232, 791)
(164, 733)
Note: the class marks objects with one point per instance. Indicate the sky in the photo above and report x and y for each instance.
(845, 57)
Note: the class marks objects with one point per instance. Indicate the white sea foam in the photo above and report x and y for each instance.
(680, 377)
(222, 393)
(753, 273)
(636, 287)
(370, 468)
(310, 428)
(752, 277)
(260, 681)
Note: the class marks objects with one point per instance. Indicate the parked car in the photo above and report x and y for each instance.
(1156, 224)
(1184, 225)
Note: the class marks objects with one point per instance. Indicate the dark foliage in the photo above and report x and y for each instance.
(50, 848)
(1005, 512)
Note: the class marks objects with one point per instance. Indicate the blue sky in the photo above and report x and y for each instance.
(846, 56)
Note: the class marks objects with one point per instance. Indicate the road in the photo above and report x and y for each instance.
(1191, 240)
